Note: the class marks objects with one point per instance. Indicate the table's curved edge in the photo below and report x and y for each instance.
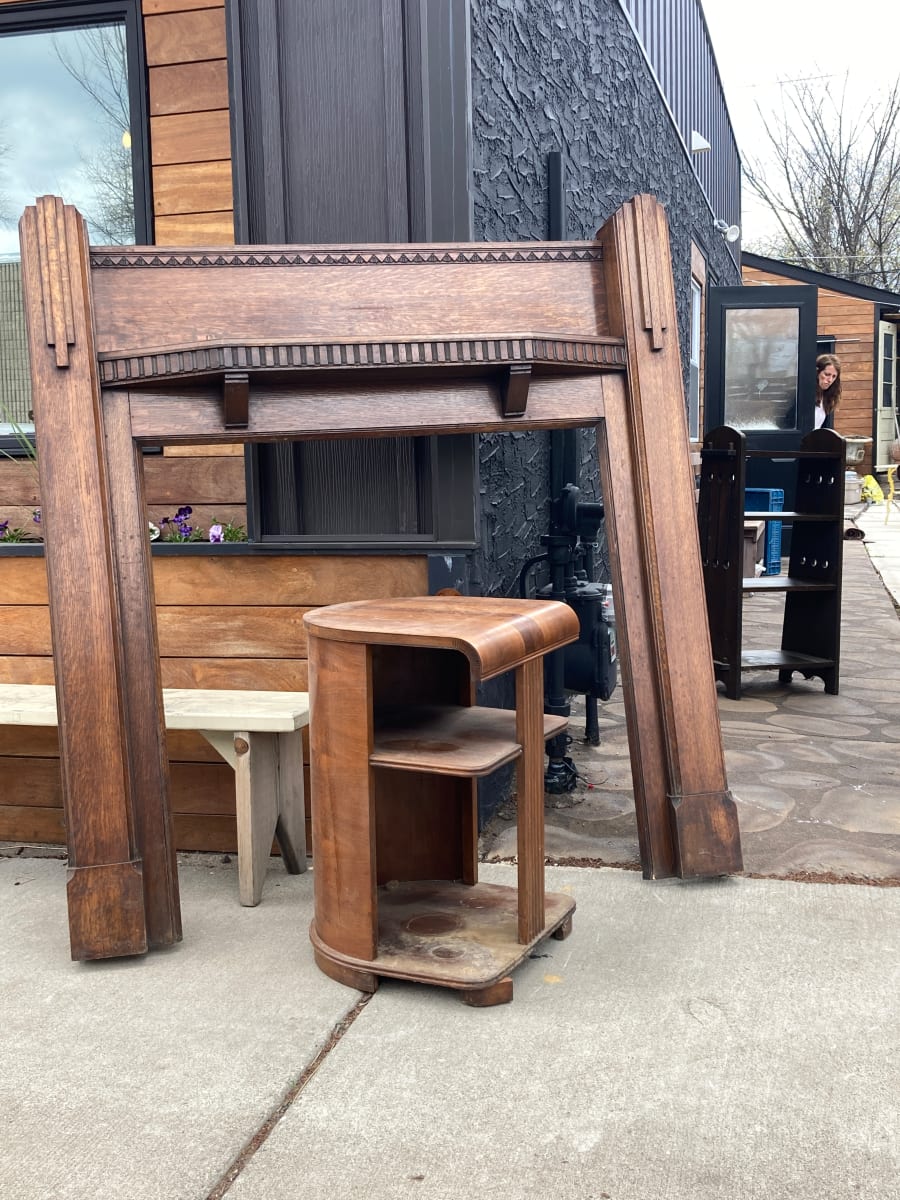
(494, 633)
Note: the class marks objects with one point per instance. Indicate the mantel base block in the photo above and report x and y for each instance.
(448, 934)
(707, 835)
(106, 906)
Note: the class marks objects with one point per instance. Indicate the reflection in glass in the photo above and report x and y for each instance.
(15, 383)
(65, 130)
(761, 367)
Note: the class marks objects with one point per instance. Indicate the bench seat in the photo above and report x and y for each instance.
(258, 735)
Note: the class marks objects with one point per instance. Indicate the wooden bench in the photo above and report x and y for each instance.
(257, 733)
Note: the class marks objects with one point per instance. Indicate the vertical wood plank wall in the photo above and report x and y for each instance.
(851, 322)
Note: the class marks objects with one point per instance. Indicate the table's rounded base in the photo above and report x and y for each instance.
(447, 934)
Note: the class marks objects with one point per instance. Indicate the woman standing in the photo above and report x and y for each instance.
(828, 389)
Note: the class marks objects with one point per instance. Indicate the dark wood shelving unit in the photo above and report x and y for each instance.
(811, 632)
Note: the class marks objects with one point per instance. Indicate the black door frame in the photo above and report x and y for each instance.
(721, 300)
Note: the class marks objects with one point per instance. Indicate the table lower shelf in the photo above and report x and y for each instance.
(445, 933)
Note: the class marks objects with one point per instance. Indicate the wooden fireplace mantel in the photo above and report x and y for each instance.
(259, 343)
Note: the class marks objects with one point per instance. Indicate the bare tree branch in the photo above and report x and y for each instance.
(96, 59)
(832, 181)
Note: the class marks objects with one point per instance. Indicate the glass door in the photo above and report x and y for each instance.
(761, 377)
(761, 363)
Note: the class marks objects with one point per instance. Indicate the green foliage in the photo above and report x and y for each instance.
(16, 534)
(231, 532)
(24, 439)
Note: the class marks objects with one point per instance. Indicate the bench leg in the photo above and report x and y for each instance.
(255, 789)
(290, 827)
(269, 799)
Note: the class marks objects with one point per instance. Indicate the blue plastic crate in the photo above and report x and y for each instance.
(768, 500)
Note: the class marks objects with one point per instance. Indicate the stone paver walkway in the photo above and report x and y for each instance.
(816, 777)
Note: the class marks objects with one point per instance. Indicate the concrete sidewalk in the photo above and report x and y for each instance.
(687, 1042)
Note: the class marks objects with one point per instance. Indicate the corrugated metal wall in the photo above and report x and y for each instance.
(15, 386)
(677, 42)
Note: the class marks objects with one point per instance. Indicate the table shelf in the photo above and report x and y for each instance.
(780, 660)
(787, 516)
(451, 934)
(448, 740)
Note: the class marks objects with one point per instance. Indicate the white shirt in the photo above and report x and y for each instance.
(820, 416)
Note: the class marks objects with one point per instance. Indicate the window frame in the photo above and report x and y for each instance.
(699, 280)
(453, 498)
(694, 360)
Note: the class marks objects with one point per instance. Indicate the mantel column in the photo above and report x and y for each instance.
(687, 819)
(108, 914)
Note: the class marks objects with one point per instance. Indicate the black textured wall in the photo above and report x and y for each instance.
(566, 75)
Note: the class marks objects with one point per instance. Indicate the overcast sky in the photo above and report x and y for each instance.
(48, 122)
(760, 43)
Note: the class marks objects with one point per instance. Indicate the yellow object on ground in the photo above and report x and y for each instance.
(871, 490)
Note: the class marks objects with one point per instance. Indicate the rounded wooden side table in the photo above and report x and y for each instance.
(397, 744)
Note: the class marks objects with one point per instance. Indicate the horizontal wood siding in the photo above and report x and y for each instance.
(227, 622)
(212, 484)
(190, 134)
(851, 322)
(190, 141)
(191, 185)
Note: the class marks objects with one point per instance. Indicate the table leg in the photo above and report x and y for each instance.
(530, 773)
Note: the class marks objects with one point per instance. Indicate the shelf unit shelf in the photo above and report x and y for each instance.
(810, 642)
(787, 516)
(784, 583)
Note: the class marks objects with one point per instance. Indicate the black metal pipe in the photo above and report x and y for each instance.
(556, 197)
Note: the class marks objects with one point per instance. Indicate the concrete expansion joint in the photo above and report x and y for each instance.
(261, 1136)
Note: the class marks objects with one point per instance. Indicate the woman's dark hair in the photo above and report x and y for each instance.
(829, 399)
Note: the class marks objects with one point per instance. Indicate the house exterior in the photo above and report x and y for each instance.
(273, 121)
(859, 324)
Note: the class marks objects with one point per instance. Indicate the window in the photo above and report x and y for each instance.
(762, 368)
(71, 124)
(395, 492)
